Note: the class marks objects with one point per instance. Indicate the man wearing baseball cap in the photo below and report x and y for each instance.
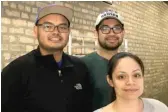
(109, 29)
(47, 79)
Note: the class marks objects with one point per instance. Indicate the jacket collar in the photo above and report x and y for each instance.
(49, 59)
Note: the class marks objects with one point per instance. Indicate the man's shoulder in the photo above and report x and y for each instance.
(21, 61)
(89, 57)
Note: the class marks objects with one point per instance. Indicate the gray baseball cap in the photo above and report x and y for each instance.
(55, 9)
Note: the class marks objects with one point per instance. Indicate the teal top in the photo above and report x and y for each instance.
(97, 66)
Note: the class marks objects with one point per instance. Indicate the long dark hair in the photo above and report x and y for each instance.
(113, 62)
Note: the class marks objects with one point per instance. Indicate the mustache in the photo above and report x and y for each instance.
(111, 37)
(54, 35)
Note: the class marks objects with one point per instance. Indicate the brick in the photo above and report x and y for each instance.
(22, 47)
(74, 32)
(19, 22)
(41, 4)
(65, 49)
(5, 39)
(88, 22)
(22, 54)
(14, 55)
(92, 23)
(73, 19)
(82, 4)
(36, 42)
(32, 17)
(34, 10)
(5, 20)
(35, 47)
(6, 56)
(76, 20)
(92, 13)
(21, 7)
(5, 3)
(95, 8)
(26, 40)
(69, 5)
(5, 47)
(29, 48)
(15, 47)
(85, 11)
(89, 34)
(78, 14)
(30, 3)
(89, 17)
(84, 21)
(27, 9)
(12, 38)
(16, 30)
(94, 18)
(12, 13)
(24, 15)
(30, 24)
(85, 27)
(6, 63)
(59, 3)
(80, 21)
(77, 26)
(13, 5)
(4, 29)
(29, 32)
(89, 6)
(77, 8)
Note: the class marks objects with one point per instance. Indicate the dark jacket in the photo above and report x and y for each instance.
(34, 83)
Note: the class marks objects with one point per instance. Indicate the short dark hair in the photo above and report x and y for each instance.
(113, 62)
(97, 26)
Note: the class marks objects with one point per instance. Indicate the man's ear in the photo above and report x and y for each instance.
(69, 30)
(110, 82)
(123, 33)
(95, 33)
(35, 31)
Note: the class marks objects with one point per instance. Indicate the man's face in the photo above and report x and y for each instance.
(111, 40)
(52, 40)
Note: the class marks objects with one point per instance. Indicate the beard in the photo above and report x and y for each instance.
(104, 45)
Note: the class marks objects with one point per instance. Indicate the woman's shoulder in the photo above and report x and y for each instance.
(106, 108)
(98, 110)
(155, 104)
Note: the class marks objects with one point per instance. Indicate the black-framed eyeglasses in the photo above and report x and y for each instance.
(49, 27)
(116, 29)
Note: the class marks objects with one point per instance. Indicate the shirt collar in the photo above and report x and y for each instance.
(49, 59)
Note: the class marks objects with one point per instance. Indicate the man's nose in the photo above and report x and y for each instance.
(111, 32)
(56, 29)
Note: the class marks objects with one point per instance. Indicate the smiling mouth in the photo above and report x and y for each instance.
(130, 90)
(111, 39)
(55, 39)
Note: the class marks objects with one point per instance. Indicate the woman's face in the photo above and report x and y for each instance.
(127, 79)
